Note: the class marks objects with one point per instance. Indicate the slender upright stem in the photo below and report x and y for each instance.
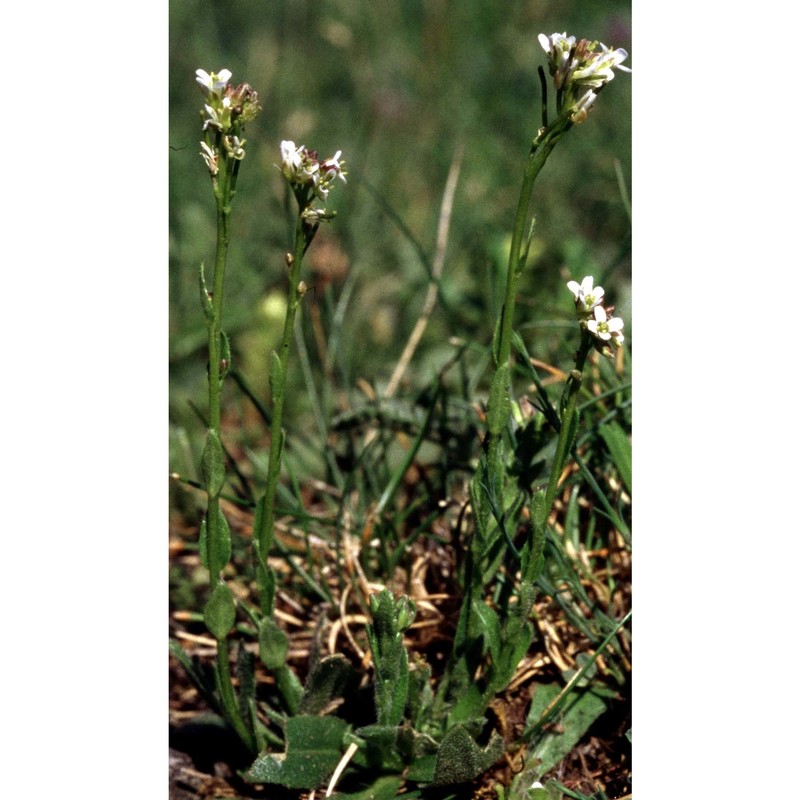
(540, 151)
(228, 696)
(566, 433)
(263, 536)
(214, 367)
(223, 194)
(566, 437)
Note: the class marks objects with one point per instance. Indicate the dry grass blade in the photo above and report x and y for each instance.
(442, 234)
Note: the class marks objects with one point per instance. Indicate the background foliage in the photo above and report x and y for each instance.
(401, 88)
(397, 87)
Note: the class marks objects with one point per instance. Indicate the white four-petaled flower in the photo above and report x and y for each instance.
(577, 66)
(587, 296)
(215, 82)
(598, 68)
(558, 47)
(605, 327)
(301, 167)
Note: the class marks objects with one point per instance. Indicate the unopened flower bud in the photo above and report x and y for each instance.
(405, 611)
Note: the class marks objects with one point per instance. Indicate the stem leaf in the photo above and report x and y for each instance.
(226, 357)
(277, 376)
(220, 612)
(213, 464)
(205, 297)
(273, 644)
(223, 541)
(499, 400)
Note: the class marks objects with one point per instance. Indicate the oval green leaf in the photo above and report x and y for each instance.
(220, 612)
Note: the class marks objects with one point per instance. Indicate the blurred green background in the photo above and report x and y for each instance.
(397, 86)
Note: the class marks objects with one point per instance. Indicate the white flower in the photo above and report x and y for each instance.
(235, 146)
(605, 327)
(297, 165)
(558, 47)
(213, 83)
(334, 165)
(219, 117)
(211, 157)
(581, 109)
(598, 68)
(556, 42)
(587, 296)
(290, 156)
(329, 170)
(576, 65)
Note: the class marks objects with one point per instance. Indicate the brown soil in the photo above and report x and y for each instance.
(204, 759)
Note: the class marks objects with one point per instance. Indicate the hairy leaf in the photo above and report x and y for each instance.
(273, 644)
(499, 401)
(460, 759)
(313, 750)
(213, 464)
(332, 677)
(220, 612)
(577, 715)
(223, 544)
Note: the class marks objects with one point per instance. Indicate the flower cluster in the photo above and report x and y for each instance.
(309, 176)
(597, 320)
(226, 110)
(578, 69)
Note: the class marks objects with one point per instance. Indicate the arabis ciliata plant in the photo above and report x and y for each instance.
(419, 735)
(310, 180)
(226, 111)
(580, 70)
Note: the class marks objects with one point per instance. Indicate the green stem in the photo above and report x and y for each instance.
(566, 434)
(566, 437)
(214, 358)
(223, 194)
(540, 151)
(499, 400)
(264, 534)
(228, 696)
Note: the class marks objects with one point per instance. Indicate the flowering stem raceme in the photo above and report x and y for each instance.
(579, 69)
(224, 115)
(601, 331)
(310, 179)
